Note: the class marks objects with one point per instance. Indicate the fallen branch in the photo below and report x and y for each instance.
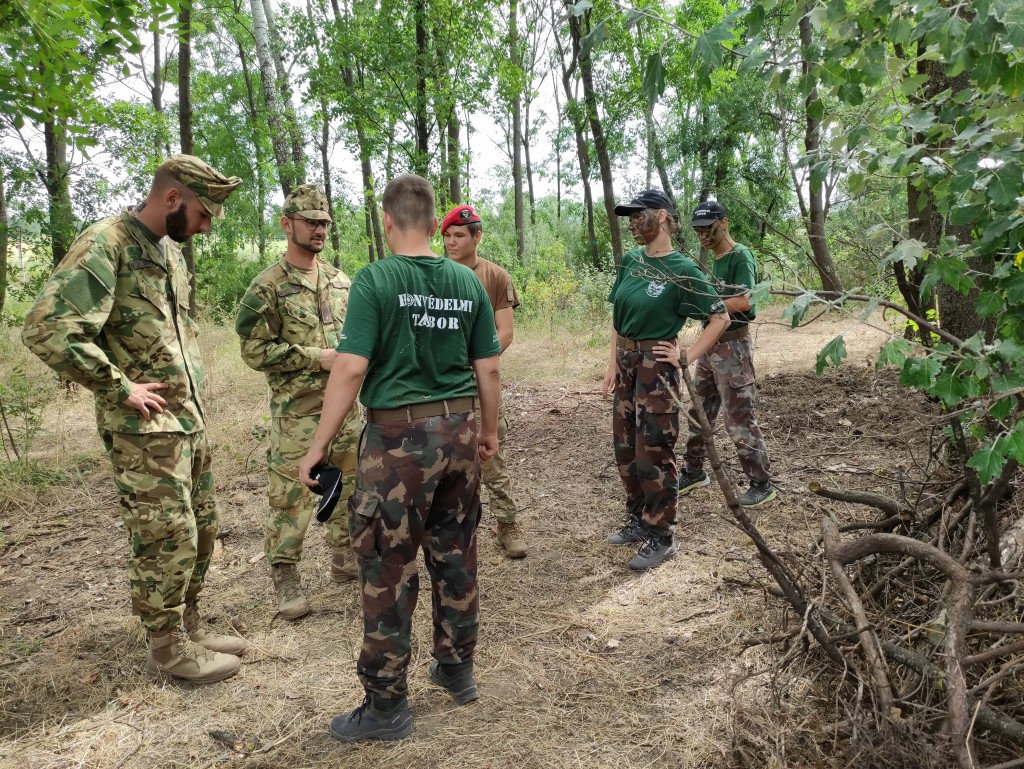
(899, 510)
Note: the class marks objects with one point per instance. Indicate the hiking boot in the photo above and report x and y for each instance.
(757, 493)
(655, 550)
(291, 602)
(174, 654)
(344, 567)
(692, 478)
(630, 533)
(457, 679)
(215, 642)
(511, 539)
(377, 718)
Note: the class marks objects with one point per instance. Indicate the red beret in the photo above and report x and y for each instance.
(459, 216)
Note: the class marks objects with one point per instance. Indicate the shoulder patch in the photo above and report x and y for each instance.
(339, 282)
(141, 264)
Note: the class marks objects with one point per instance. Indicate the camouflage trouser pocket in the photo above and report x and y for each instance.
(364, 522)
(740, 381)
(661, 430)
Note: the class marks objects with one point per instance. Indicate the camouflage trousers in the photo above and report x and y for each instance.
(495, 476)
(165, 489)
(724, 380)
(645, 427)
(291, 502)
(418, 485)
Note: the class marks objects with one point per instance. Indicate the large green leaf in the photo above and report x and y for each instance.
(831, 354)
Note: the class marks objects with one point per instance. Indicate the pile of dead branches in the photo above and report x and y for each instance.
(920, 608)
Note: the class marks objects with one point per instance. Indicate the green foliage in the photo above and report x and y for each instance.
(222, 277)
(22, 402)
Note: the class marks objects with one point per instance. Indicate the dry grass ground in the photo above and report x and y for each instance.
(580, 661)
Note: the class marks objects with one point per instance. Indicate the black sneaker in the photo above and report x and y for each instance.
(654, 551)
(457, 679)
(757, 493)
(630, 533)
(368, 722)
(692, 478)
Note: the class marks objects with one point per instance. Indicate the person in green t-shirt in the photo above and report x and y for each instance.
(656, 290)
(417, 329)
(724, 376)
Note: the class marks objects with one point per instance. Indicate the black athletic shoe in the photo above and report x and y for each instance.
(757, 493)
(630, 533)
(368, 722)
(655, 550)
(692, 478)
(457, 679)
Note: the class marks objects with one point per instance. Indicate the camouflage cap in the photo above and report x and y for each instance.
(308, 201)
(210, 186)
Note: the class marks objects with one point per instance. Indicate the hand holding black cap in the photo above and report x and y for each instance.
(328, 486)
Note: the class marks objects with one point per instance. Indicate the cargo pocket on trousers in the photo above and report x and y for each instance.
(660, 429)
(364, 522)
(741, 380)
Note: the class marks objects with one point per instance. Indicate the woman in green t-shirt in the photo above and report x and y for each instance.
(656, 290)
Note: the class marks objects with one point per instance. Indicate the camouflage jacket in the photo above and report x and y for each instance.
(115, 311)
(285, 319)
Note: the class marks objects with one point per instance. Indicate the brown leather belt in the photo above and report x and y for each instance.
(732, 336)
(631, 344)
(421, 410)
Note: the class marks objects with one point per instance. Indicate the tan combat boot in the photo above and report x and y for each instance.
(344, 567)
(226, 644)
(174, 654)
(291, 601)
(511, 539)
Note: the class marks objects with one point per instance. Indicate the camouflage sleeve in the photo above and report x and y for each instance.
(65, 323)
(259, 331)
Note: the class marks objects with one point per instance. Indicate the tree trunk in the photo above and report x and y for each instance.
(581, 143)
(58, 189)
(421, 155)
(256, 128)
(291, 120)
(517, 135)
(529, 165)
(157, 92)
(278, 139)
(658, 156)
(185, 137)
(4, 222)
(600, 144)
(454, 161)
(816, 198)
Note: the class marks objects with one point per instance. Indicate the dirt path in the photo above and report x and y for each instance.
(580, 663)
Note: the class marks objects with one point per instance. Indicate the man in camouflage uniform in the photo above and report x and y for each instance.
(462, 230)
(114, 318)
(289, 323)
(724, 376)
(418, 327)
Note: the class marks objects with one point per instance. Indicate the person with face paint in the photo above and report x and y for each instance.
(114, 318)
(656, 290)
(724, 376)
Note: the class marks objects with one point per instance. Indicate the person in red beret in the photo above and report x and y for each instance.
(462, 230)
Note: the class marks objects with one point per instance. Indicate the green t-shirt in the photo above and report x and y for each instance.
(420, 321)
(652, 298)
(736, 273)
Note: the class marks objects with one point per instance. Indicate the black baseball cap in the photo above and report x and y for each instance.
(328, 478)
(647, 199)
(707, 213)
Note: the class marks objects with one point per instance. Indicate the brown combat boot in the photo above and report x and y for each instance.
(511, 539)
(291, 601)
(205, 637)
(344, 567)
(174, 654)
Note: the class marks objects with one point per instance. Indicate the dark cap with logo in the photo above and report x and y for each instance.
(459, 216)
(708, 212)
(648, 199)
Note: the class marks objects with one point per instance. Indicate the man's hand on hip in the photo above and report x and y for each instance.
(143, 398)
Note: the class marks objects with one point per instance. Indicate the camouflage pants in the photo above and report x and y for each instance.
(496, 478)
(165, 489)
(418, 485)
(292, 503)
(724, 380)
(645, 427)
